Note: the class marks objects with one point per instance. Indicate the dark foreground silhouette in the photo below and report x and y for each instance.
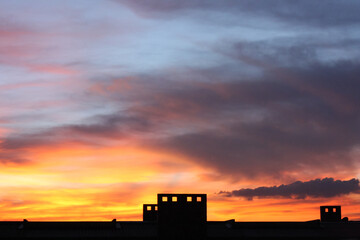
(183, 216)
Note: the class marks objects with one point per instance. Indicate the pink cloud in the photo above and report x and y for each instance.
(56, 69)
(25, 85)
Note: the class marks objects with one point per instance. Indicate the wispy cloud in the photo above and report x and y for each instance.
(305, 12)
(7, 157)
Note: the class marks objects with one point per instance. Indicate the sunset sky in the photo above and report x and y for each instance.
(105, 103)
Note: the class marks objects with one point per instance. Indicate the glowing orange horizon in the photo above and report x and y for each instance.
(76, 182)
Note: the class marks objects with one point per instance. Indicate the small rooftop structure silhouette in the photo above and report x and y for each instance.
(330, 213)
(184, 216)
(150, 212)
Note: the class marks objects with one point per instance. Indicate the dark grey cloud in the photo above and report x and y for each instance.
(290, 52)
(94, 131)
(289, 120)
(307, 12)
(270, 54)
(110, 125)
(12, 157)
(285, 121)
(97, 131)
(318, 188)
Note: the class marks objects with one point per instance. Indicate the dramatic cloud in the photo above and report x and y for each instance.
(102, 127)
(318, 188)
(114, 91)
(304, 12)
(285, 121)
(290, 119)
(275, 125)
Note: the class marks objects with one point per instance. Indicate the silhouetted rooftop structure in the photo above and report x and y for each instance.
(183, 216)
(150, 212)
(330, 213)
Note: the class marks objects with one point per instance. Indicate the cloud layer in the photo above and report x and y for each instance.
(283, 122)
(304, 12)
(318, 188)
(185, 95)
(288, 120)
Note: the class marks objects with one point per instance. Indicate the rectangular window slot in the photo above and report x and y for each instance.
(326, 210)
(148, 208)
(174, 199)
(164, 199)
(198, 199)
(156, 208)
(189, 199)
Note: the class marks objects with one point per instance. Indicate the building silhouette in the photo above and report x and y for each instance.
(181, 216)
(330, 213)
(184, 216)
(150, 212)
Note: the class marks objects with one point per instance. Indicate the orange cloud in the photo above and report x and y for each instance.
(73, 181)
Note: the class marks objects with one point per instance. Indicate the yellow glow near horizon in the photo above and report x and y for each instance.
(74, 182)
